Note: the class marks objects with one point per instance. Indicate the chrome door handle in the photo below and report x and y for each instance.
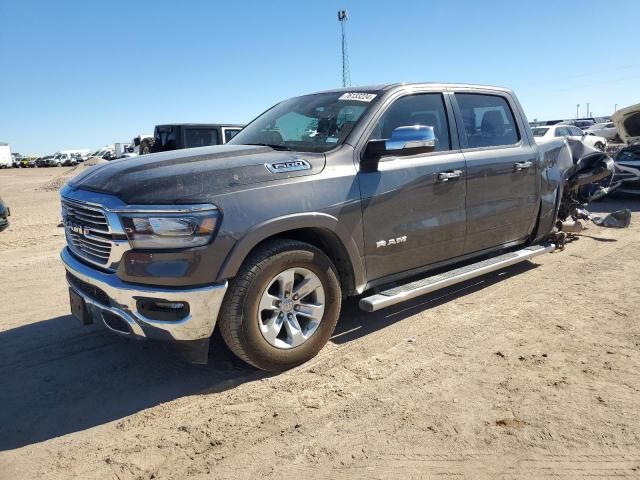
(446, 176)
(522, 165)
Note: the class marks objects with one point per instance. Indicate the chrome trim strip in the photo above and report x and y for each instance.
(196, 208)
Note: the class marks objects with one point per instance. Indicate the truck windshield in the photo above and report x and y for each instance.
(311, 123)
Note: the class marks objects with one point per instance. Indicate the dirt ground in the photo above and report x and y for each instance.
(532, 372)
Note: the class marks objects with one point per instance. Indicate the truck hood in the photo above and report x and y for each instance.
(627, 121)
(196, 174)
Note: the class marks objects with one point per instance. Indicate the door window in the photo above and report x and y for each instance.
(575, 131)
(562, 132)
(200, 137)
(229, 133)
(423, 109)
(487, 120)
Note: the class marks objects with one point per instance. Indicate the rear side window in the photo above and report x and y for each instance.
(229, 133)
(575, 131)
(200, 137)
(487, 120)
(425, 109)
(539, 132)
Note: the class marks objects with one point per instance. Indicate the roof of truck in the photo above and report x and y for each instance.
(391, 86)
(200, 125)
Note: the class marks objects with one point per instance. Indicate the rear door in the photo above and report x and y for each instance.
(412, 217)
(502, 166)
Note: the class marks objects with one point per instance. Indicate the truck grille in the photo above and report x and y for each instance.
(87, 231)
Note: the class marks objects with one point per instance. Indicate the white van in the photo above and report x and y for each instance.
(5, 156)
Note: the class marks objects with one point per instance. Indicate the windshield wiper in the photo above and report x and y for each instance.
(275, 147)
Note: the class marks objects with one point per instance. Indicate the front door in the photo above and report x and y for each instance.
(412, 216)
(502, 172)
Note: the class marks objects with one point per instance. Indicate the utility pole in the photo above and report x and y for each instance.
(577, 110)
(615, 107)
(343, 16)
(588, 110)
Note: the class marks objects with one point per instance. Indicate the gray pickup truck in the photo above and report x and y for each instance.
(385, 192)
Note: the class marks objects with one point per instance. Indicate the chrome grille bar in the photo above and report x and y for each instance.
(87, 230)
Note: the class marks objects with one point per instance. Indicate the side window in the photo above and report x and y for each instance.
(487, 120)
(422, 109)
(576, 132)
(200, 137)
(561, 132)
(229, 133)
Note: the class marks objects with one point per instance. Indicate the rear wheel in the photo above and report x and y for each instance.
(282, 307)
(146, 145)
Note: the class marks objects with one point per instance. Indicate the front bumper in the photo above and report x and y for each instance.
(107, 296)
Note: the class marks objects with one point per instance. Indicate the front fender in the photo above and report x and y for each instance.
(280, 225)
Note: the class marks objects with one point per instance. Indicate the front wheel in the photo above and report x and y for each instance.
(282, 307)
(599, 146)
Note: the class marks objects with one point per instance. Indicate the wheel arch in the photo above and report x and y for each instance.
(318, 229)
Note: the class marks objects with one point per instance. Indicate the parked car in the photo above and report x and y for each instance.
(46, 161)
(5, 213)
(179, 136)
(323, 196)
(606, 130)
(551, 131)
(627, 160)
(15, 160)
(25, 161)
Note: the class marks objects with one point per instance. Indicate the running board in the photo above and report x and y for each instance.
(416, 288)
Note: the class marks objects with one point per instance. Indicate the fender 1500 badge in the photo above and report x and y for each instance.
(292, 166)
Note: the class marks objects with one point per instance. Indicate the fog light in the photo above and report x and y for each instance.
(170, 305)
(156, 309)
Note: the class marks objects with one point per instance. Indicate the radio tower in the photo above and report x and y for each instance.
(343, 16)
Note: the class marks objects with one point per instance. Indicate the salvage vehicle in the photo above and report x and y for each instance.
(6, 158)
(142, 144)
(581, 123)
(384, 192)
(179, 136)
(5, 213)
(26, 162)
(606, 130)
(569, 131)
(626, 181)
(45, 161)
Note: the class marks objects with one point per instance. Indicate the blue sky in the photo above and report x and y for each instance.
(81, 74)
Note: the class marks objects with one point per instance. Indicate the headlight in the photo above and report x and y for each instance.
(165, 230)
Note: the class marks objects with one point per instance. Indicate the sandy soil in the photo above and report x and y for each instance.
(528, 373)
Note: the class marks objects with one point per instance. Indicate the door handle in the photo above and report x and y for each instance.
(446, 176)
(522, 165)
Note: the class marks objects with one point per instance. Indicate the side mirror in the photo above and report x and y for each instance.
(404, 141)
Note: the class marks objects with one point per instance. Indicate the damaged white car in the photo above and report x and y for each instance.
(548, 132)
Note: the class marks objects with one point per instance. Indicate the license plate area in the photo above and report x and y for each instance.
(79, 308)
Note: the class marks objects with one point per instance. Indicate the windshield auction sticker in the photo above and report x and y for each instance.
(358, 96)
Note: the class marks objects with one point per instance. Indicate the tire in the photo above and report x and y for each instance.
(58, 164)
(242, 320)
(146, 146)
(599, 146)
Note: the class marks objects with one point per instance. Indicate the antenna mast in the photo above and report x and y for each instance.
(343, 16)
